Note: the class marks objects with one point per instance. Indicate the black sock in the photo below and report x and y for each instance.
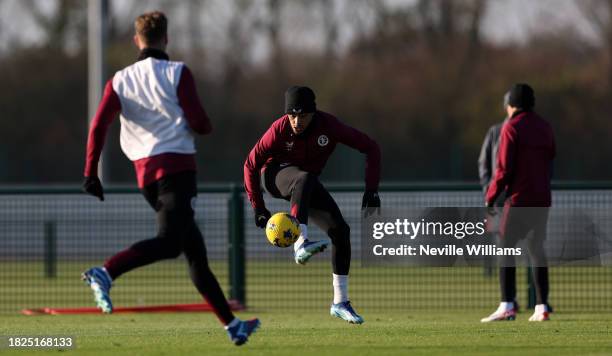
(507, 281)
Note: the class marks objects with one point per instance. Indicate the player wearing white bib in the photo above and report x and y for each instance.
(160, 112)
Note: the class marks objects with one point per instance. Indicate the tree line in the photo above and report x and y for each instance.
(420, 79)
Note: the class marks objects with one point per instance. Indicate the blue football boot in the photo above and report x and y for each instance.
(346, 312)
(239, 333)
(100, 283)
(309, 249)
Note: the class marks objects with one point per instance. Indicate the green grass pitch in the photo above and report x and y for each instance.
(432, 311)
(316, 333)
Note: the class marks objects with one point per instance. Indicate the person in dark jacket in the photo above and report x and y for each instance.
(487, 162)
(524, 169)
(291, 155)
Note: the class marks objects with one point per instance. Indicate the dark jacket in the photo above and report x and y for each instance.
(487, 161)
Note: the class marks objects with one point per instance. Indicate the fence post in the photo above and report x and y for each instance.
(531, 294)
(50, 249)
(236, 245)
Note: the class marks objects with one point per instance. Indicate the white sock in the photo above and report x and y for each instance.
(303, 237)
(505, 306)
(304, 231)
(340, 288)
(540, 308)
(232, 323)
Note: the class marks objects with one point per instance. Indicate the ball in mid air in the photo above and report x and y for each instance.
(282, 230)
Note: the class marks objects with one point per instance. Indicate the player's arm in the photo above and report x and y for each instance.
(484, 160)
(505, 163)
(363, 143)
(108, 109)
(252, 176)
(189, 101)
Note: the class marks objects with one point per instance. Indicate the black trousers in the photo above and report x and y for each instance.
(172, 198)
(310, 201)
(517, 223)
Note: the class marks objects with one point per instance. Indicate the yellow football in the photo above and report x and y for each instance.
(282, 230)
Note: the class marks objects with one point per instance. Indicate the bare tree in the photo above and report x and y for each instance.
(452, 30)
(193, 32)
(70, 15)
(443, 20)
(327, 10)
(599, 14)
(239, 37)
(273, 29)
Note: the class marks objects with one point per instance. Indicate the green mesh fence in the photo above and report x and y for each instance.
(49, 236)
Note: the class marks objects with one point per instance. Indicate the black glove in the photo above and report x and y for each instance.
(262, 215)
(92, 186)
(370, 203)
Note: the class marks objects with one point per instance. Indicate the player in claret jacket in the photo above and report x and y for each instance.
(523, 172)
(291, 156)
(160, 112)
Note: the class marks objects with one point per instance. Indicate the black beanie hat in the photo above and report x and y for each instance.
(522, 97)
(299, 100)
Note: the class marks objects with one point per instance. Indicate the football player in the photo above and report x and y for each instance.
(290, 156)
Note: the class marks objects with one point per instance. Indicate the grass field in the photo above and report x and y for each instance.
(296, 333)
(408, 311)
(274, 285)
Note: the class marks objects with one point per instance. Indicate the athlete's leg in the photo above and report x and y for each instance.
(295, 185)
(513, 228)
(203, 278)
(511, 231)
(181, 225)
(168, 244)
(539, 263)
(324, 213)
(162, 197)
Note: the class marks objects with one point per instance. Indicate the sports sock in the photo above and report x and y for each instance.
(340, 288)
(303, 237)
(540, 279)
(507, 280)
(540, 309)
(505, 306)
(125, 261)
(304, 231)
